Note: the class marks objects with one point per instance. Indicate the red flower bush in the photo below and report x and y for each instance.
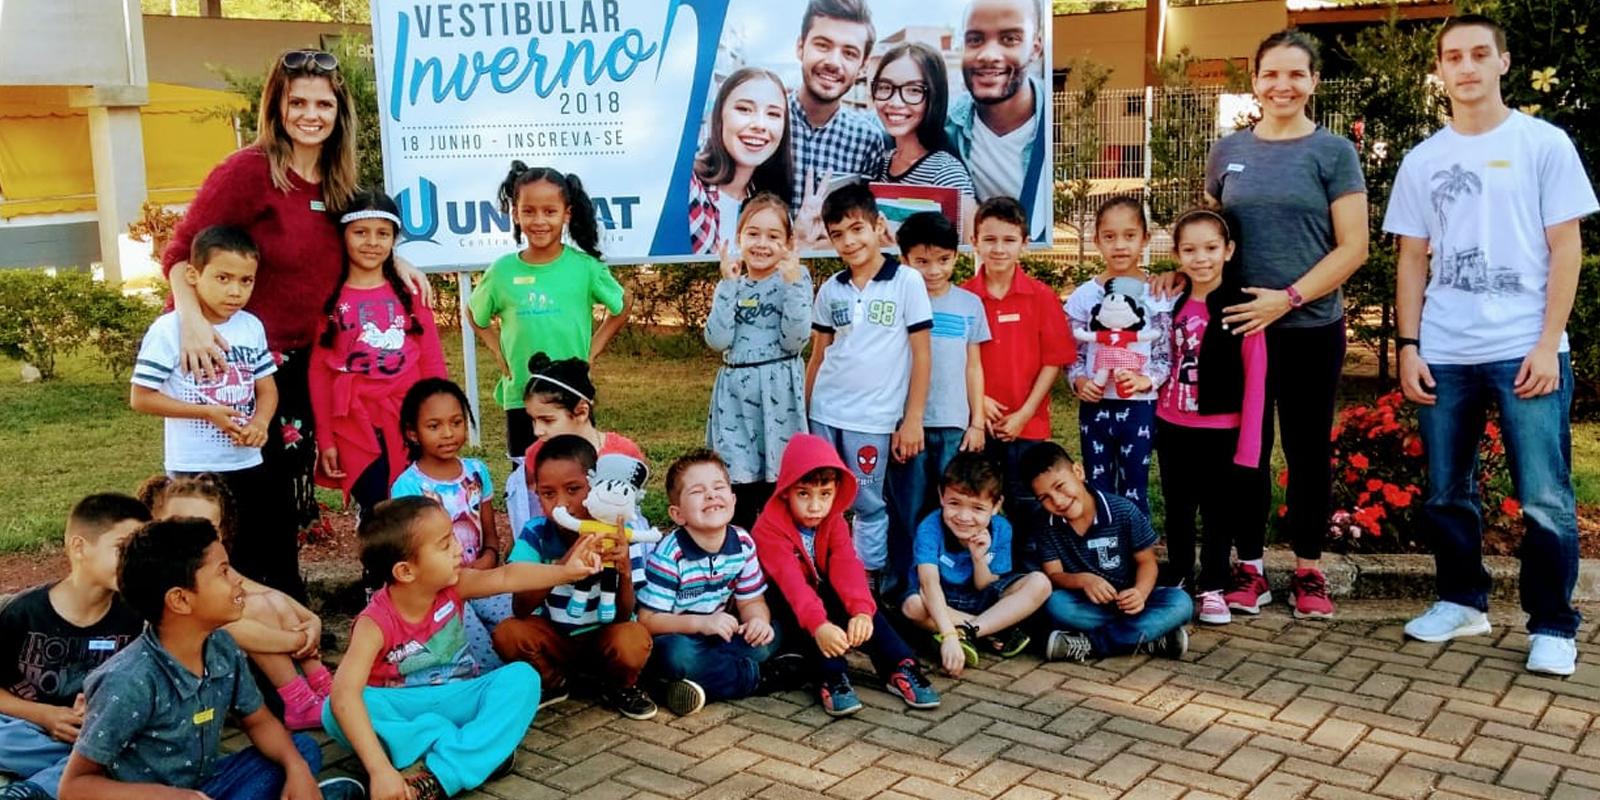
(1378, 465)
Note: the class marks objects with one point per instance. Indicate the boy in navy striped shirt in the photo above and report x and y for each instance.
(702, 597)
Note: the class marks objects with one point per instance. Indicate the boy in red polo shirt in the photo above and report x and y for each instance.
(1030, 345)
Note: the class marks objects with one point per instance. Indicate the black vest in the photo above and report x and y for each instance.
(1221, 352)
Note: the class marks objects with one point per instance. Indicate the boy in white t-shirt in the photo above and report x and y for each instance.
(1496, 197)
(867, 380)
(216, 423)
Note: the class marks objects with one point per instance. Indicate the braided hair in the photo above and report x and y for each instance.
(368, 200)
(159, 488)
(583, 227)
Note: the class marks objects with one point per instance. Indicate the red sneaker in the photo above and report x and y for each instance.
(1250, 590)
(1309, 588)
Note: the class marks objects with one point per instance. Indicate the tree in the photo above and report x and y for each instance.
(1078, 146)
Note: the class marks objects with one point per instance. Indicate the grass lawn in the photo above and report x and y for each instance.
(76, 435)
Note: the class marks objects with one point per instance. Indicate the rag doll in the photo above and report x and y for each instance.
(1117, 338)
(616, 484)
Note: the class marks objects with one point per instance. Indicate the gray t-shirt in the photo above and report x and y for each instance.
(1277, 196)
(958, 321)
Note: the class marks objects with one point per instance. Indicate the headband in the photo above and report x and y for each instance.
(1204, 212)
(581, 396)
(369, 213)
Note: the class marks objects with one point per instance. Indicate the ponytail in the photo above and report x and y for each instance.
(584, 228)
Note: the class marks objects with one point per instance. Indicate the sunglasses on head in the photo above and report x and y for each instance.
(314, 60)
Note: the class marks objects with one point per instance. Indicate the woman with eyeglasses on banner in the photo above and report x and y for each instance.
(911, 92)
(285, 190)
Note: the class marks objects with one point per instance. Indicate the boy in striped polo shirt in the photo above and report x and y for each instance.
(702, 597)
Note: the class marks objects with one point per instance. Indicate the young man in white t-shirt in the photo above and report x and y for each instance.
(1496, 197)
(867, 380)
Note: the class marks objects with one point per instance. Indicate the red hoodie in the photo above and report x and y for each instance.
(783, 556)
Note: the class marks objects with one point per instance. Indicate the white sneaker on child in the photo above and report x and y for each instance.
(1214, 609)
(1446, 621)
(1552, 655)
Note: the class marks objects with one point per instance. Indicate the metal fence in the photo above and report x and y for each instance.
(1151, 143)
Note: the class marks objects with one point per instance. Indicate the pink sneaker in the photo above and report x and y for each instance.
(1214, 609)
(1309, 589)
(1250, 590)
(302, 708)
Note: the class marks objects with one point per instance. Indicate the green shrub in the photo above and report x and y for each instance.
(43, 316)
(1583, 329)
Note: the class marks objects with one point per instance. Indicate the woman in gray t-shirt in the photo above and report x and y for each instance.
(1295, 198)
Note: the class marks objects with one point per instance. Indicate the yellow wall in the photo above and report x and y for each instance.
(1223, 31)
(1114, 39)
(180, 48)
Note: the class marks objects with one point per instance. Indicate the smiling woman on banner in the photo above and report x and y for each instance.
(283, 189)
(911, 92)
(746, 151)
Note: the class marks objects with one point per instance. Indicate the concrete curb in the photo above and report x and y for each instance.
(1354, 577)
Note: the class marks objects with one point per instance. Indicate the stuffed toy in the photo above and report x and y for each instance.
(1116, 337)
(616, 484)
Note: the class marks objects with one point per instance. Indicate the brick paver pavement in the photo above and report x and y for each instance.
(1264, 708)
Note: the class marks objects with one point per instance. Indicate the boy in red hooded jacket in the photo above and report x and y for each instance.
(803, 543)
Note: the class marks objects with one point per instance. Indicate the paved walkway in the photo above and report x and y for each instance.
(1264, 708)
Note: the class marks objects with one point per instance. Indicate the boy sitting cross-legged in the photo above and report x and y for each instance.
(156, 710)
(823, 604)
(409, 689)
(702, 650)
(1097, 551)
(53, 635)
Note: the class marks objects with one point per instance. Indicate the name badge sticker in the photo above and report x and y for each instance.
(444, 611)
(750, 302)
(1500, 163)
(1008, 318)
(524, 280)
(945, 559)
(204, 715)
(1236, 167)
(318, 205)
(102, 644)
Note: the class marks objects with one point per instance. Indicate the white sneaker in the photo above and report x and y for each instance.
(1214, 609)
(1552, 655)
(1446, 621)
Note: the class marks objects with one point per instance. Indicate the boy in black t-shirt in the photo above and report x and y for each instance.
(1097, 553)
(53, 635)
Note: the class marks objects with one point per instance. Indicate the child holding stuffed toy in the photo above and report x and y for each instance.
(1120, 364)
(562, 638)
(760, 320)
(1208, 424)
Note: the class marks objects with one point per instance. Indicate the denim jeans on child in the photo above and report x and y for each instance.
(885, 647)
(726, 670)
(1113, 633)
(1538, 441)
(32, 754)
(867, 456)
(913, 492)
(249, 775)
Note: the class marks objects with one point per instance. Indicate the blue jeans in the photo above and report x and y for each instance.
(1113, 633)
(27, 751)
(249, 775)
(1022, 508)
(886, 649)
(867, 457)
(1116, 437)
(1538, 439)
(726, 670)
(913, 492)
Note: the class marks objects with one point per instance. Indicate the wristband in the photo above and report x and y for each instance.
(1295, 300)
(1402, 342)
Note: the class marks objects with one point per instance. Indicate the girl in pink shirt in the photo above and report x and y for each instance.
(378, 340)
(1208, 422)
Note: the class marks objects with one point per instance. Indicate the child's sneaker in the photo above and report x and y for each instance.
(1552, 655)
(1214, 609)
(781, 673)
(1309, 589)
(1009, 643)
(684, 697)
(553, 693)
(969, 653)
(1067, 646)
(425, 786)
(1250, 590)
(24, 790)
(302, 707)
(912, 686)
(341, 788)
(630, 702)
(1171, 645)
(839, 697)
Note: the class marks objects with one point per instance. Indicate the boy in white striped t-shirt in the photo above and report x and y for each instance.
(702, 597)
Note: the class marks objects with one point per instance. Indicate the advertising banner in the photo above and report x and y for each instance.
(673, 112)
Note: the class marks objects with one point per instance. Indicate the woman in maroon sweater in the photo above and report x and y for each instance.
(284, 190)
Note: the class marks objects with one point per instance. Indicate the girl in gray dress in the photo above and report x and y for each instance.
(760, 319)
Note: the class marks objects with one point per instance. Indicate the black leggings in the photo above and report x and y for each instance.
(519, 432)
(1303, 367)
(1198, 475)
(749, 499)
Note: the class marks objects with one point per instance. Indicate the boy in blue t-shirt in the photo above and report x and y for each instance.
(1097, 552)
(964, 588)
(545, 630)
(953, 420)
(703, 594)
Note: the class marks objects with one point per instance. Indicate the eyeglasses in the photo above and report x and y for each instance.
(311, 60)
(912, 94)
